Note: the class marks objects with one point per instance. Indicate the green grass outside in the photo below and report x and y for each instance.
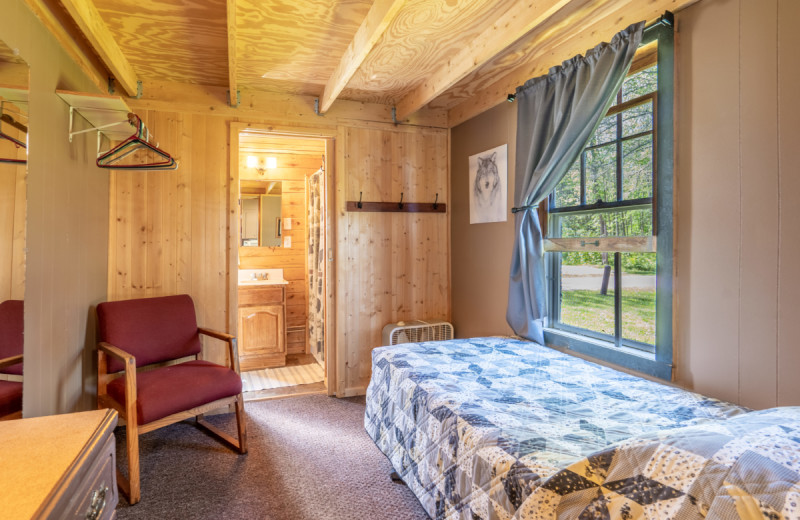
(594, 311)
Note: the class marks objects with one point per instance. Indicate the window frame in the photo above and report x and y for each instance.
(656, 361)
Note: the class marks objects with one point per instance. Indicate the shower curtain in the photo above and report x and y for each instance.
(316, 266)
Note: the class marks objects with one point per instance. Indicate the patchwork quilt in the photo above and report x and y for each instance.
(486, 428)
(747, 467)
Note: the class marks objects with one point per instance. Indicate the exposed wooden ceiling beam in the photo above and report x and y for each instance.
(89, 21)
(378, 18)
(232, 85)
(272, 107)
(520, 19)
(51, 19)
(552, 48)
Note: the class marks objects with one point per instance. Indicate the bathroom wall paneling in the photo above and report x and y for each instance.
(292, 171)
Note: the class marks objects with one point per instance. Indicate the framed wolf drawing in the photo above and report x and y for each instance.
(488, 186)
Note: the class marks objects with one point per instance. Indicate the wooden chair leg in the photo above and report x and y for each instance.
(241, 425)
(132, 441)
(239, 444)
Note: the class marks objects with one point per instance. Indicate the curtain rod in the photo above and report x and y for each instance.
(666, 19)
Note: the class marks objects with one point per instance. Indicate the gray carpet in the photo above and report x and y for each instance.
(309, 458)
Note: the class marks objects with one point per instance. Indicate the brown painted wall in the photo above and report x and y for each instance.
(67, 228)
(738, 125)
(481, 252)
(738, 129)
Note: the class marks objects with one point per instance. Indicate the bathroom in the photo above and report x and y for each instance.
(281, 279)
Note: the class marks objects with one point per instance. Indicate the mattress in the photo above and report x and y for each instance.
(475, 427)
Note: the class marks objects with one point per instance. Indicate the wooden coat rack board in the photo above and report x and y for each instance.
(401, 207)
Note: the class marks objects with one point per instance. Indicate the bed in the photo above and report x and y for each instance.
(502, 428)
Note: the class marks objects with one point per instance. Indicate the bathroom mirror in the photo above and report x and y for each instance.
(13, 171)
(261, 224)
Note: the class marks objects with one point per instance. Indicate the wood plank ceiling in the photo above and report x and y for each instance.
(462, 56)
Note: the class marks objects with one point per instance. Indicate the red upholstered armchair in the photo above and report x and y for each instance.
(11, 326)
(153, 331)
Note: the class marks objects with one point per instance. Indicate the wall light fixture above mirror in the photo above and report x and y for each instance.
(269, 164)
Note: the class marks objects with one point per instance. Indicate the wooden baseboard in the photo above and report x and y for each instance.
(354, 391)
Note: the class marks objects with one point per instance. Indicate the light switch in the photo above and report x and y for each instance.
(287, 223)
(287, 242)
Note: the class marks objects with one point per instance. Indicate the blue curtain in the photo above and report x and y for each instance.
(556, 116)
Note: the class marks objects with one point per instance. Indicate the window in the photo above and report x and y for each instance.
(609, 226)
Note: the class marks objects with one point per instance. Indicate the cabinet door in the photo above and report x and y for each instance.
(261, 334)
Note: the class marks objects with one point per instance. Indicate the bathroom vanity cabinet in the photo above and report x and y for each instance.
(262, 326)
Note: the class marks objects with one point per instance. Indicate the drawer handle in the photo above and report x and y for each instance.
(98, 503)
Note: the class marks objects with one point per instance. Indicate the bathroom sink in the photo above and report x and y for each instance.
(261, 277)
(263, 282)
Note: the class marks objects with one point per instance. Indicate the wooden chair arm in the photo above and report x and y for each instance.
(230, 340)
(13, 360)
(216, 334)
(129, 373)
(118, 353)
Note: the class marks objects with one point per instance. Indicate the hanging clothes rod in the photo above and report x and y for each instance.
(97, 128)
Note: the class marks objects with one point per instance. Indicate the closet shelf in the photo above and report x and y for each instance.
(14, 95)
(107, 114)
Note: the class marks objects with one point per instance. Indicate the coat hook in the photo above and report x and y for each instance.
(400, 205)
(359, 200)
(436, 202)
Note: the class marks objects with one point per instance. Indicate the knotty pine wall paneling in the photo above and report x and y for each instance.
(391, 266)
(169, 229)
(12, 218)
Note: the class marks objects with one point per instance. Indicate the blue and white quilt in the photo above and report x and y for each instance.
(747, 467)
(484, 428)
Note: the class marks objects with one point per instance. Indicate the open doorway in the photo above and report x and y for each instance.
(282, 291)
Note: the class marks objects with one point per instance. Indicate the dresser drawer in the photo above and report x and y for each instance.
(52, 465)
(96, 498)
(260, 295)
